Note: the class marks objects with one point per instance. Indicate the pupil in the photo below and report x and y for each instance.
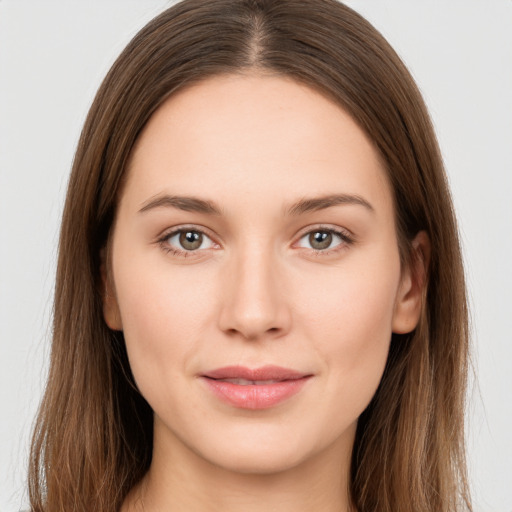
(191, 240)
(320, 239)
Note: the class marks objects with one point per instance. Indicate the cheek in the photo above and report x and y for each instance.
(349, 316)
(162, 314)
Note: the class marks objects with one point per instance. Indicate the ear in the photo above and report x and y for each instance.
(111, 313)
(413, 286)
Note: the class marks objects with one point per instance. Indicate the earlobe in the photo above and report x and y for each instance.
(413, 287)
(111, 313)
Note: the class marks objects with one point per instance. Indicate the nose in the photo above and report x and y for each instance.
(253, 298)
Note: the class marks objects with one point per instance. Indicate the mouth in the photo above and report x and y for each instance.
(258, 388)
(245, 382)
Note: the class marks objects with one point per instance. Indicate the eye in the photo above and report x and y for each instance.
(187, 240)
(323, 240)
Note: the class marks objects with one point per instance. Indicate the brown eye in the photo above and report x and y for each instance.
(190, 240)
(320, 240)
(323, 240)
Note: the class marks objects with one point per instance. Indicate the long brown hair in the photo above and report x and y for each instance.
(93, 437)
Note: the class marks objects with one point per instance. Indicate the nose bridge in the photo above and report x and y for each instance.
(253, 301)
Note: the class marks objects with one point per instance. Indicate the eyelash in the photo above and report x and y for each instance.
(177, 252)
(345, 237)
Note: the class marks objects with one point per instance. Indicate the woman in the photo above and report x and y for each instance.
(260, 301)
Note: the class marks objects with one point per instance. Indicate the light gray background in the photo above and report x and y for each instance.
(53, 55)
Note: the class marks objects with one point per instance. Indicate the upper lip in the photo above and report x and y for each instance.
(268, 372)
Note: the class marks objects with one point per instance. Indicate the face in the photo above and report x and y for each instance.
(256, 273)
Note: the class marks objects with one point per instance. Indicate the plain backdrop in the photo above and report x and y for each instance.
(53, 55)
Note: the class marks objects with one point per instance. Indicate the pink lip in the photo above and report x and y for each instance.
(255, 396)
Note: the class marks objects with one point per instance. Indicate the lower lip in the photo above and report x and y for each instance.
(253, 396)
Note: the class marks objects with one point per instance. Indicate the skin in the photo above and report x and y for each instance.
(256, 292)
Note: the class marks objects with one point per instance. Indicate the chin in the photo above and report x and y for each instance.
(259, 451)
(256, 461)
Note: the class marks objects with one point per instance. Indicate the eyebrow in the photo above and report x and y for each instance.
(321, 203)
(305, 205)
(185, 203)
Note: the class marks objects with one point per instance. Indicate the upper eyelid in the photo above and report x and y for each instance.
(324, 227)
(167, 233)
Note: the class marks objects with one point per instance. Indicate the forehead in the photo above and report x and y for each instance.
(254, 140)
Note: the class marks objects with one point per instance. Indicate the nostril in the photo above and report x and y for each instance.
(253, 311)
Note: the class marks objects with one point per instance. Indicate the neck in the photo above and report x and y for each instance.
(187, 482)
